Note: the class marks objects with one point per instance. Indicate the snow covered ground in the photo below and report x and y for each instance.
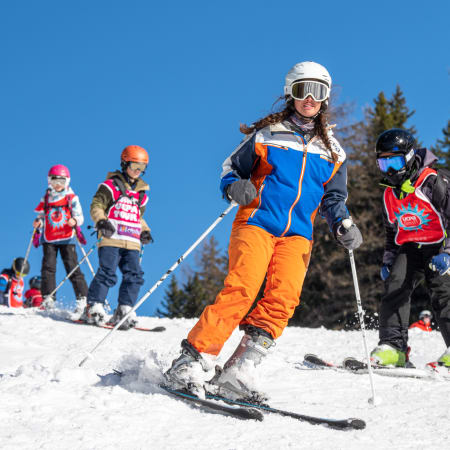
(48, 402)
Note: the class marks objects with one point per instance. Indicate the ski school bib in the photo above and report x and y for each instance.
(15, 291)
(416, 218)
(57, 214)
(125, 213)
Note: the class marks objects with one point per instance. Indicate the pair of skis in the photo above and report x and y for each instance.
(253, 411)
(354, 365)
(110, 327)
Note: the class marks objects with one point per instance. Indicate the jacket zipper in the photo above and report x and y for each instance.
(299, 192)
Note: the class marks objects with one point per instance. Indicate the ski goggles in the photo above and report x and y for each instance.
(19, 274)
(58, 181)
(397, 162)
(317, 90)
(135, 166)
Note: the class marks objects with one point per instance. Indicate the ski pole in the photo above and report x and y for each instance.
(26, 254)
(141, 254)
(158, 283)
(372, 400)
(75, 268)
(91, 268)
(87, 259)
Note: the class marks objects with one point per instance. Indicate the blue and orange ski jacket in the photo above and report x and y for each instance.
(293, 177)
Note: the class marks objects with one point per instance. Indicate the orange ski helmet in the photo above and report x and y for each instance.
(134, 153)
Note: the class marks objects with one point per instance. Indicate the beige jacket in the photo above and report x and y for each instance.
(103, 201)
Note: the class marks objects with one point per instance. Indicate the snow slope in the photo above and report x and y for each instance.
(48, 402)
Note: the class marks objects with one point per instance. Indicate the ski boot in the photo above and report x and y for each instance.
(386, 355)
(48, 303)
(94, 314)
(120, 312)
(188, 371)
(444, 360)
(80, 306)
(237, 375)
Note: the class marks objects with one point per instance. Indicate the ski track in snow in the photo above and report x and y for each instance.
(48, 402)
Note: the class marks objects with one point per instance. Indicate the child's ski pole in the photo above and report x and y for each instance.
(157, 284)
(75, 268)
(27, 254)
(86, 256)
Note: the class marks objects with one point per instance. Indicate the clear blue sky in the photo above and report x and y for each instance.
(81, 80)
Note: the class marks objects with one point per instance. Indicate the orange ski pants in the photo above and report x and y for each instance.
(253, 252)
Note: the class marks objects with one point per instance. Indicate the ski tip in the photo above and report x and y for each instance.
(158, 329)
(357, 424)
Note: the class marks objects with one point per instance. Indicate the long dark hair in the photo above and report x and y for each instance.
(320, 122)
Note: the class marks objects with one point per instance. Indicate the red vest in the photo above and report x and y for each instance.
(56, 218)
(14, 294)
(33, 298)
(125, 213)
(416, 218)
(421, 325)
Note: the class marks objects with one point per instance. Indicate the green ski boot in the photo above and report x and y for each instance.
(444, 360)
(385, 355)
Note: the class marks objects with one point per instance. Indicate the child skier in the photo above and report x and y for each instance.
(11, 283)
(60, 215)
(117, 209)
(417, 222)
(424, 322)
(288, 166)
(33, 296)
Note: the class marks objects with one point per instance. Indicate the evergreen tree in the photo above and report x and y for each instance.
(442, 148)
(201, 287)
(174, 301)
(328, 296)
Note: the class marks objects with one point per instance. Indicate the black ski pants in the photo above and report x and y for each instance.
(409, 269)
(70, 260)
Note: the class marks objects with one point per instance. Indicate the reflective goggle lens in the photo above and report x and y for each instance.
(58, 180)
(137, 166)
(301, 89)
(392, 162)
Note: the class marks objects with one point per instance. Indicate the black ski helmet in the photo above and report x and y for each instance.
(20, 268)
(401, 142)
(35, 283)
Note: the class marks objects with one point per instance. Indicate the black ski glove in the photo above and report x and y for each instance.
(146, 237)
(348, 236)
(105, 227)
(241, 191)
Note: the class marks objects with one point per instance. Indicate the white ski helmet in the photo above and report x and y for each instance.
(425, 313)
(308, 71)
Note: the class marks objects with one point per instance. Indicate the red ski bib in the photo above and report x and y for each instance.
(416, 218)
(56, 218)
(125, 213)
(15, 291)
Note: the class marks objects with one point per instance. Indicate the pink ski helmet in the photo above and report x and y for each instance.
(59, 171)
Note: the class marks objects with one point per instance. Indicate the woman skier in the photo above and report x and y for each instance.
(289, 167)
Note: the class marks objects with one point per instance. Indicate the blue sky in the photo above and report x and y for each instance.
(81, 80)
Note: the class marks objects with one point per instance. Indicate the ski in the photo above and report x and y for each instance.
(338, 424)
(353, 365)
(356, 366)
(239, 411)
(110, 327)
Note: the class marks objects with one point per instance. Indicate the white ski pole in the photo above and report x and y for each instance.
(86, 256)
(158, 283)
(26, 254)
(75, 268)
(108, 306)
(372, 400)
